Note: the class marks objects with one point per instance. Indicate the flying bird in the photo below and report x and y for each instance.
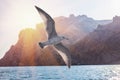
(53, 38)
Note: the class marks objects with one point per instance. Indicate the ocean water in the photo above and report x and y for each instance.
(89, 72)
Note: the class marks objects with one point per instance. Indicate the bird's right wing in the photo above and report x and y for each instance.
(64, 53)
(49, 22)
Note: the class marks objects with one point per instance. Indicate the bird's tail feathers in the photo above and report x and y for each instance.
(42, 45)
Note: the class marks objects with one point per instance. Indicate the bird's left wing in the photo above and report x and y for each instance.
(64, 53)
(49, 22)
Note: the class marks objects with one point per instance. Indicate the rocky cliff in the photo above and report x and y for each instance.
(102, 46)
(26, 52)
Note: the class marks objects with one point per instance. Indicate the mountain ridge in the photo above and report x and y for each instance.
(101, 46)
(26, 52)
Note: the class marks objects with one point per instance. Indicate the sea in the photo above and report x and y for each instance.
(81, 72)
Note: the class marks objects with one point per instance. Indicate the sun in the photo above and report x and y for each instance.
(29, 18)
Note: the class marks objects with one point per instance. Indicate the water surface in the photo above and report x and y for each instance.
(90, 72)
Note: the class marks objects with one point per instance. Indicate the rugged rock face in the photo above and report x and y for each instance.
(26, 52)
(77, 27)
(102, 46)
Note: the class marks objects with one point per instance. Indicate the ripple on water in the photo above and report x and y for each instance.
(103, 72)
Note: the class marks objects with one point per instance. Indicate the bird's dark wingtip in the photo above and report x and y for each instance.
(39, 9)
(36, 7)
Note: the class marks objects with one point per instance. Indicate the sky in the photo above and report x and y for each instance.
(16, 15)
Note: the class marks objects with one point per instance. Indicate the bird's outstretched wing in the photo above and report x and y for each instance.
(49, 22)
(64, 53)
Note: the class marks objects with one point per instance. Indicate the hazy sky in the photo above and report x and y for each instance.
(19, 14)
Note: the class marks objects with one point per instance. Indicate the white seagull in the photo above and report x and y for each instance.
(53, 38)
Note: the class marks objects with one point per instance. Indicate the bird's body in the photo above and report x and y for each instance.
(53, 38)
(52, 41)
